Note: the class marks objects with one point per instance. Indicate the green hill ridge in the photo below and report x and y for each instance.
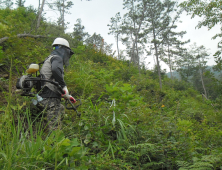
(126, 121)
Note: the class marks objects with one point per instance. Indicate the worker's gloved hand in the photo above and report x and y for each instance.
(66, 95)
(72, 99)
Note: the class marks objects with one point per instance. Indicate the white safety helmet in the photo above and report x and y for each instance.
(61, 41)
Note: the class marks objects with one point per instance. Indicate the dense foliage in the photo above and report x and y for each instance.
(127, 122)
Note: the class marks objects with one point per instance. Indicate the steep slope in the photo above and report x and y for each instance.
(126, 121)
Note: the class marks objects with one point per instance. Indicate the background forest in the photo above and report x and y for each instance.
(131, 117)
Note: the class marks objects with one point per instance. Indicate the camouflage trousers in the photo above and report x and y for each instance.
(54, 110)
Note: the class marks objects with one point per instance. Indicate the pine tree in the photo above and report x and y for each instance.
(210, 14)
(60, 5)
(96, 40)
(6, 3)
(186, 65)
(172, 45)
(200, 53)
(192, 65)
(63, 6)
(133, 28)
(20, 3)
(78, 31)
(115, 28)
(158, 23)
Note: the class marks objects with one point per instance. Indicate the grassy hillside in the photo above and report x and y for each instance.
(126, 121)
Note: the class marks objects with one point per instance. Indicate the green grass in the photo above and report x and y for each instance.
(145, 128)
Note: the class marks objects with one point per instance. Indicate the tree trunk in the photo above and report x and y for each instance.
(137, 32)
(117, 39)
(63, 15)
(171, 76)
(40, 14)
(138, 58)
(201, 77)
(134, 41)
(157, 58)
(39, 6)
(20, 3)
(158, 66)
(188, 71)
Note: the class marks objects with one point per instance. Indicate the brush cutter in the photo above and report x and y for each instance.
(27, 82)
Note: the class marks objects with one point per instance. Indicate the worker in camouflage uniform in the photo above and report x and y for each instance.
(52, 69)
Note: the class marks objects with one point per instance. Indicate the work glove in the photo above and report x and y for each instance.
(66, 95)
(72, 99)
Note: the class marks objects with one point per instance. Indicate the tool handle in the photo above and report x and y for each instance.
(72, 106)
(46, 80)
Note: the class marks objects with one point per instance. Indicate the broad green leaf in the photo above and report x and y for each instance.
(74, 151)
(65, 142)
(75, 142)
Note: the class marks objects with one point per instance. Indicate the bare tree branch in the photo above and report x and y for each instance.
(23, 35)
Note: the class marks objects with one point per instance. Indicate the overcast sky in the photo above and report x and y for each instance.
(96, 14)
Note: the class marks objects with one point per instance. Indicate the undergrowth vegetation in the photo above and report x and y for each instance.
(126, 121)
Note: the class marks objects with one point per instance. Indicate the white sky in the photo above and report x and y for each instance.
(96, 14)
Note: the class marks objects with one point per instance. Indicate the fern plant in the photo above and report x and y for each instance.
(144, 155)
(207, 162)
